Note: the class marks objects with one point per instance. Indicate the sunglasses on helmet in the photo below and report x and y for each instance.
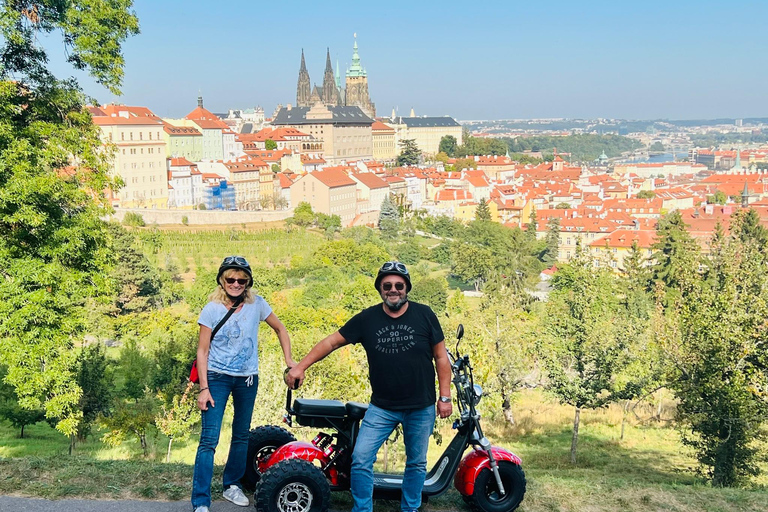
(399, 286)
(233, 280)
(396, 265)
(238, 260)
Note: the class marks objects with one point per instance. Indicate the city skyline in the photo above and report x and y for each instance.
(681, 60)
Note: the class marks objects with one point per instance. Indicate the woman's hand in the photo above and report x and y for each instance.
(204, 398)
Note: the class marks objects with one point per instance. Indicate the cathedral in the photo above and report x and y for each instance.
(332, 94)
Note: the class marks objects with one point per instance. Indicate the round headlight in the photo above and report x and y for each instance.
(478, 393)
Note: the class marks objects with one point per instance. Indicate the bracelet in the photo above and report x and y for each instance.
(203, 389)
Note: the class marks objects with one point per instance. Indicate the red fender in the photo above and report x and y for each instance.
(476, 461)
(296, 450)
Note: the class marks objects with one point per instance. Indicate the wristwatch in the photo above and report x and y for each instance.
(445, 399)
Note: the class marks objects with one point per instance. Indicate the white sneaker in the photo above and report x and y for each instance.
(202, 508)
(236, 496)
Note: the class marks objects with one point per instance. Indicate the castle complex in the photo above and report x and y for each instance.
(332, 94)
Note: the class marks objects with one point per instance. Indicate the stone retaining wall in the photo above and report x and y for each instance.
(207, 217)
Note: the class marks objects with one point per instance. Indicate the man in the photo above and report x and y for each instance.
(401, 339)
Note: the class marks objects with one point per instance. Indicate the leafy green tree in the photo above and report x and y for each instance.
(133, 417)
(552, 240)
(657, 147)
(482, 212)
(177, 420)
(12, 411)
(562, 206)
(94, 376)
(51, 243)
(746, 226)
(410, 154)
(716, 340)
(676, 254)
(441, 253)
(646, 194)
(448, 144)
(432, 291)
(138, 284)
(302, 215)
(530, 228)
(331, 224)
(585, 344)
(719, 197)
(275, 168)
(269, 145)
(471, 263)
(389, 219)
(135, 369)
(464, 163)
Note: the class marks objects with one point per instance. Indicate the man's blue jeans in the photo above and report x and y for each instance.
(243, 391)
(375, 428)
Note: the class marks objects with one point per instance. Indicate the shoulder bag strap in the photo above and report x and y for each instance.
(226, 317)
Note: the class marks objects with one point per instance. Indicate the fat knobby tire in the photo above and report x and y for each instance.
(486, 497)
(262, 442)
(292, 485)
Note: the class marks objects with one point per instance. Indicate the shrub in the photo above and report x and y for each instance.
(133, 219)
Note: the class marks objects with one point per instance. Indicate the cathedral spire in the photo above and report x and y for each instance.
(330, 92)
(303, 88)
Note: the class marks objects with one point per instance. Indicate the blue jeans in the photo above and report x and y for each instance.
(243, 391)
(375, 428)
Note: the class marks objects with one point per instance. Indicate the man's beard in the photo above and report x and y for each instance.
(399, 303)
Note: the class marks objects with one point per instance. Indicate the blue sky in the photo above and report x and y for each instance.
(673, 59)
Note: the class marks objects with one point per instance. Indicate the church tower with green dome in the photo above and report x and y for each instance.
(356, 93)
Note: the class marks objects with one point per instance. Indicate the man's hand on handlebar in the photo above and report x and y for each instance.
(294, 377)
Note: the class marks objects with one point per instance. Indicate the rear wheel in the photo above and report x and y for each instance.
(292, 485)
(262, 443)
(486, 496)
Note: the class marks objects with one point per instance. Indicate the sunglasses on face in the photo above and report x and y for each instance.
(394, 265)
(233, 280)
(239, 260)
(388, 286)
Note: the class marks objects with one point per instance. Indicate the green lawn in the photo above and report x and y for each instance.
(647, 470)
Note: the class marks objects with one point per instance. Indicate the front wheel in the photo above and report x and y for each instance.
(262, 443)
(292, 485)
(486, 496)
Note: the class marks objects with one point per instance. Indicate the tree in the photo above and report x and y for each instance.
(483, 212)
(130, 417)
(12, 411)
(275, 168)
(471, 263)
(448, 144)
(464, 163)
(177, 420)
(389, 218)
(51, 235)
(331, 224)
(530, 228)
(94, 377)
(718, 197)
(585, 343)
(302, 215)
(549, 255)
(269, 145)
(410, 154)
(676, 254)
(432, 291)
(646, 194)
(716, 340)
(562, 206)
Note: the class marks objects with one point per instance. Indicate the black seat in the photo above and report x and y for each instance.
(356, 410)
(312, 407)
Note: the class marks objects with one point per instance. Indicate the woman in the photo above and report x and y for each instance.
(229, 364)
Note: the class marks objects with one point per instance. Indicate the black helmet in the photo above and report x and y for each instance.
(393, 268)
(235, 263)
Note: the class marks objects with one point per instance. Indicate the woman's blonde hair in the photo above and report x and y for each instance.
(220, 296)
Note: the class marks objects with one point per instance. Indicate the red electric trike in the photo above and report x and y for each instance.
(296, 476)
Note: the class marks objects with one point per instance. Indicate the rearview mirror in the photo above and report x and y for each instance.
(459, 332)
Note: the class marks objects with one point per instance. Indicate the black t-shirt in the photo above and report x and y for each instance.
(399, 353)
